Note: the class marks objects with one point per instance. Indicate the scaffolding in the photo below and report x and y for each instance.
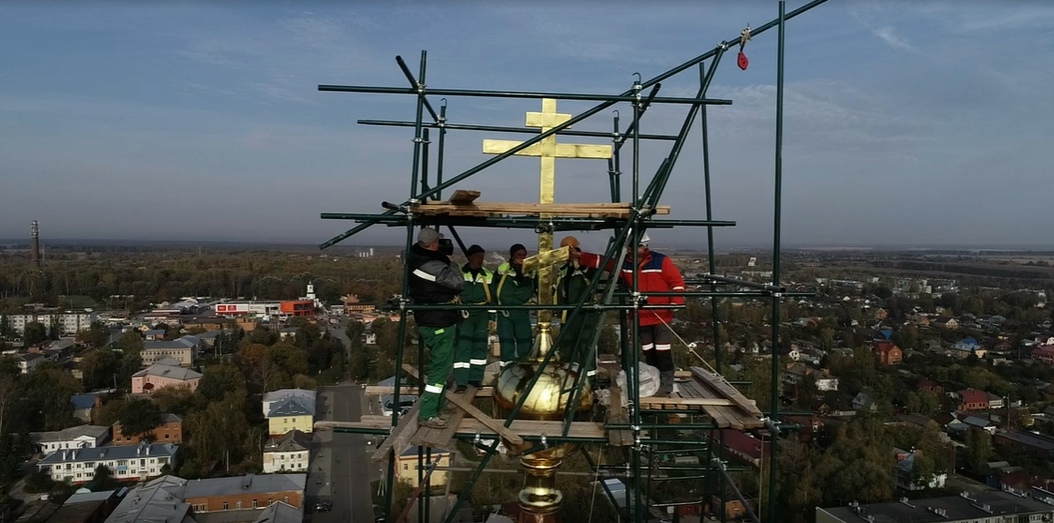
(639, 430)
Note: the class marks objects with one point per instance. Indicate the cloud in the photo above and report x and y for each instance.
(888, 34)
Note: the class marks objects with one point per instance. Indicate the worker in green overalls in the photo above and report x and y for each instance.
(576, 336)
(513, 287)
(470, 352)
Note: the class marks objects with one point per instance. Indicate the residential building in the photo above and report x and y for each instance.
(270, 398)
(1032, 444)
(1043, 353)
(154, 335)
(292, 413)
(968, 347)
(165, 373)
(69, 323)
(155, 501)
(288, 454)
(28, 361)
(88, 507)
(183, 350)
(170, 430)
(279, 512)
(974, 507)
(244, 492)
(79, 437)
(888, 353)
(744, 446)
(137, 462)
(928, 385)
(904, 471)
(406, 466)
(84, 406)
(865, 400)
(971, 399)
(946, 323)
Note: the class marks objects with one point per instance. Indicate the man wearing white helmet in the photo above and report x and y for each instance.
(655, 273)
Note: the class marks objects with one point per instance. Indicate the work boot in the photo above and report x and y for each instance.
(432, 423)
(665, 384)
(460, 389)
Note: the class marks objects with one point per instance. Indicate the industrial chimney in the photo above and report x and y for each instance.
(34, 248)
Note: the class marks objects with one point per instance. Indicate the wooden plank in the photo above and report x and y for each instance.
(484, 392)
(717, 383)
(616, 414)
(494, 425)
(612, 210)
(581, 429)
(440, 438)
(462, 196)
(399, 438)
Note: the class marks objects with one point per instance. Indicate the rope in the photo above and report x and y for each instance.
(691, 348)
(596, 474)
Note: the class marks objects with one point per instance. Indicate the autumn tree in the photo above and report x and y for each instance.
(139, 417)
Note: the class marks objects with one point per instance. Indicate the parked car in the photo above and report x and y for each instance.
(323, 505)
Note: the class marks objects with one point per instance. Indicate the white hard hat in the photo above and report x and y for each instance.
(644, 239)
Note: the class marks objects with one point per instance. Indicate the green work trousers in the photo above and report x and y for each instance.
(440, 344)
(514, 333)
(576, 341)
(470, 354)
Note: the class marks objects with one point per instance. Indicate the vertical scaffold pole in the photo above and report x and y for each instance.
(776, 297)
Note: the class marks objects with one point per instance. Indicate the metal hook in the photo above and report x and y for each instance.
(637, 83)
(616, 113)
(442, 102)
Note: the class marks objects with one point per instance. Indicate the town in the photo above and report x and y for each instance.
(132, 378)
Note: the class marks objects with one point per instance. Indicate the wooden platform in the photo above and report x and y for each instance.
(491, 209)
(699, 389)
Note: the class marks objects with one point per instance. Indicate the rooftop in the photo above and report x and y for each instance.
(168, 371)
(67, 434)
(101, 453)
(156, 501)
(245, 484)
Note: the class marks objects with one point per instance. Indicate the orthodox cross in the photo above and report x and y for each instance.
(548, 151)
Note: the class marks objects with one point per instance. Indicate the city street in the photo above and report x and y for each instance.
(340, 468)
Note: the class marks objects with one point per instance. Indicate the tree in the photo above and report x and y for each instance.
(218, 380)
(35, 333)
(978, 449)
(98, 368)
(103, 478)
(94, 336)
(139, 417)
(130, 343)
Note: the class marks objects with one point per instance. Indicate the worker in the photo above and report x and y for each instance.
(434, 279)
(470, 353)
(576, 338)
(514, 287)
(655, 273)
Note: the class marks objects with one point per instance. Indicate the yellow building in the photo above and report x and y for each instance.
(288, 414)
(406, 466)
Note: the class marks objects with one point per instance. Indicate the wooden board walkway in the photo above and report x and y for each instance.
(479, 209)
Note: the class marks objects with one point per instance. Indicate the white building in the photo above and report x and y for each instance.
(27, 361)
(68, 323)
(79, 437)
(288, 454)
(134, 462)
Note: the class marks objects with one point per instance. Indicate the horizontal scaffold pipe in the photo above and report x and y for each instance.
(517, 94)
(719, 294)
(567, 223)
(502, 129)
(706, 279)
(650, 426)
(535, 307)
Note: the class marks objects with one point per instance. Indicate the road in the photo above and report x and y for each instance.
(340, 467)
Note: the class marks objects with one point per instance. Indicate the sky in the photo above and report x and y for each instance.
(923, 124)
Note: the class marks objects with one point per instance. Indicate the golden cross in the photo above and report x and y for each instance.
(548, 151)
